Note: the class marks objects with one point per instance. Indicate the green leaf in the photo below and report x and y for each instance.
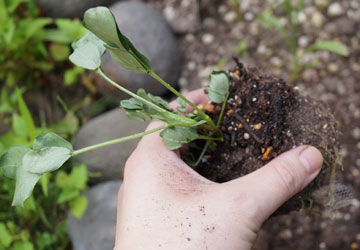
(71, 75)
(88, 51)
(44, 182)
(25, 183)
(182, 103)
(5, 236)
(78, 177)
(102, 23)
(126, 60)
(59, 52)
(45, 160)
(51, 140)
(175, 137)
(62, 179)
(19, 126)
(332, 46)
(34, 164)
(138, 116)
(219, 86)
(26, 115)
(11, 160)
(78, 206)
(68, 194)
(241, 48)
(23, 245)
(268, 20)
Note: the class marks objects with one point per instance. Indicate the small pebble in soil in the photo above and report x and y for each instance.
(322, 4)
(249, 16)
(230, 17)
(246, 136)
(335, 9)
(317, 19)
(333, 67)
(356, 133)
(322, 245)
(207, 38)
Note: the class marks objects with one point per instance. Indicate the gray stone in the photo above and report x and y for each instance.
(70, 8)
(148, 30)
(96, 228)
(109, 160)
(335, 9)
(345, 26)
(183, 15)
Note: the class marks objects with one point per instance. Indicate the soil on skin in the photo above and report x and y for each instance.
(264, 117)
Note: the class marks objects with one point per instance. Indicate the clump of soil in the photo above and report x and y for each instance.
(264, 117)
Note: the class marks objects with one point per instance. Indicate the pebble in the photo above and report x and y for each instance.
(356, 133)
(183, 15)
(249, 16)
(150, 33)
(322, 245)
(254, 28)
(345, 26)
(191, 65)
(276, 61)
(246, 136)
(207, 38)
(317, 19)
(108, 161)
(96, 228)
(322, 4)
(335, 9)
(301, 17)
(303, 41)
(230, 17)
(333, 67)
(69, 8)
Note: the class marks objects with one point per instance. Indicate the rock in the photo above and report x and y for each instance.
(207, 38)
(333, 67)
(322, 4)
(148, 30)
(345, 26)
(110, 160)
(335, 9)
(69, 8)
(230, 16)
(183, 15)
(317, 19)
(96, 228)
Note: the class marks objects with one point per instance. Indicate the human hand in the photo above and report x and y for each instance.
(164, 204)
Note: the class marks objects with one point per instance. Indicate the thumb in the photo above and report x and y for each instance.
(282, 178)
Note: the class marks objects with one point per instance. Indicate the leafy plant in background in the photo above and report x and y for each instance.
(41, 223)
(289, 33)
(50, 151)
(24, 52)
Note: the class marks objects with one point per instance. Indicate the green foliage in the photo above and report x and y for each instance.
(242, 48)
(219, 86)
(102, 23)
(24, 55)
(290, 34)
(331, 46)
(175, 137)
(88, 51)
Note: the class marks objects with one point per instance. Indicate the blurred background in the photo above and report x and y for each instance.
(313, 44)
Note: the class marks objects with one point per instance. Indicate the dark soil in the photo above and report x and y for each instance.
(264, 117)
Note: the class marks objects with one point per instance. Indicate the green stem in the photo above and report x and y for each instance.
(122, 139)
(222, 111)
(168, 86)
(186, 122)
(201, 155)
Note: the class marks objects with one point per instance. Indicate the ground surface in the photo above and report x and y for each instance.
(335, 80)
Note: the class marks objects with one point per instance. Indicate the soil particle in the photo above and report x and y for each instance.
(265, 117)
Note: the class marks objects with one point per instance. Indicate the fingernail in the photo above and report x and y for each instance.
(311, 159)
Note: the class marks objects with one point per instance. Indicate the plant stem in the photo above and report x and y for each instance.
(201, 155)
(168, 86)
(186, 121)
(222, 111)
(122, 139)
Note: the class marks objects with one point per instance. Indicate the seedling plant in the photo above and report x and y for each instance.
(290, 33)
(50, 151)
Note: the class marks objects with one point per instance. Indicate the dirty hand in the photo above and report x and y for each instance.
(164, 204)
